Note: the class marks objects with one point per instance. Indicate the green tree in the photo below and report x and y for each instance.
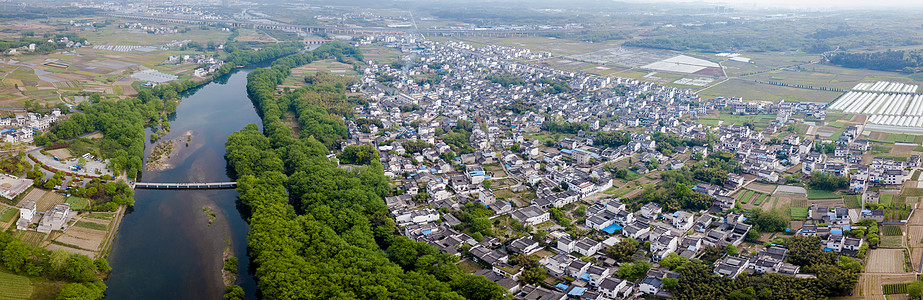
(731, 250)
(14, 255)
(82, 291)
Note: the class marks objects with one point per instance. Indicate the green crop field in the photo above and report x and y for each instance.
(91, 225)
(800, 203)
(101, 216)
(912, 192)
(760, 199)
(894, 288)
(916, 175)
(14, 287)
(746, 198)
(886, 199)
(819, 194)
(78, 203)
(7, 214)
(891, 230)
(799, 213)
(852, 201)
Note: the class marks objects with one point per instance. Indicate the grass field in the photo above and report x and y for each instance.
(14, 287)
(819, 194)
(78, 203)
(894, 288)
(916, 175)
(891, 230)
(886, 199)
(799, 213)
(7, 214)
(852, 201)
(91, 225)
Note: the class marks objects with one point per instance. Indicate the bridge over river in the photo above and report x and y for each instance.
(183, 186)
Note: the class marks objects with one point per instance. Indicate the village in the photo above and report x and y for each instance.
(499, 158)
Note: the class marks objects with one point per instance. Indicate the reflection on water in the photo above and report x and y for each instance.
(165, 248)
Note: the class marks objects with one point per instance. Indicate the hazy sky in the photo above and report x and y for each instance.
(832, 4)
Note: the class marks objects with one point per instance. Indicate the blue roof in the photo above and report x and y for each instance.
(425, 232)
(561, 286)
(612, 228)
(828, 249)
(847, 227)
(585, 276)
(836, 231)
(577, 291)
(476, 173)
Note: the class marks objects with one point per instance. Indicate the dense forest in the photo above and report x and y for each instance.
(884, 61)
(319, 231)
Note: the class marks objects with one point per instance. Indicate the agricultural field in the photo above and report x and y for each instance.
(886, 199)
(892, 242)
(91, 225)
(727, 119)
(891, 230)
(894, 288)
(885, 261)
(7, 214)
(33, 238)
(14, 287)
(820, 194)
(852, 201)
(749, 90)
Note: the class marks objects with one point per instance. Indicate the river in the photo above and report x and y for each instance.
(165, 247)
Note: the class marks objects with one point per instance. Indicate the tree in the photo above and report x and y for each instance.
(731, 250)
(634, 270)
(82, 291)
(79, 268)
(487, 183)
(14, 255)
(233, 292)
(915, 290)
(534, 275)
(478, 288)
(623, 250)
(673, 261)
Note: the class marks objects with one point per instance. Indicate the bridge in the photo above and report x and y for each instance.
(183, 186)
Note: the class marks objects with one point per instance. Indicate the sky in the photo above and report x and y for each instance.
(831, 4)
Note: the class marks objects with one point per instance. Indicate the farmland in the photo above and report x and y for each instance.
(14, 287)
(885, 261)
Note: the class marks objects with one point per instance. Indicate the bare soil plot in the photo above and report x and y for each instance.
(48, 201)
(902, 149)
(60, 153)
(761, 187)
(885, 261)
(84, 238)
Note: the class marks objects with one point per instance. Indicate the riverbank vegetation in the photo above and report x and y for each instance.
(122, 122)
(319, 231)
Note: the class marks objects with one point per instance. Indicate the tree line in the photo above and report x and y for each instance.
(319, 231)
